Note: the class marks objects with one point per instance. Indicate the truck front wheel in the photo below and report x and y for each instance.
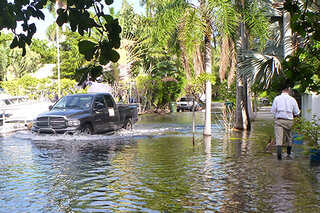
(87, 129)
(128, 124)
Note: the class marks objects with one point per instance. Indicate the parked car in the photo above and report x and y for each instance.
(264, 101)
(87, 113)
(186, 103)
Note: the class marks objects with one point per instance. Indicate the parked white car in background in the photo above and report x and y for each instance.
(186, 103)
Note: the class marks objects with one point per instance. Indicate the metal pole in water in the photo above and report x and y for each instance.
(3, 118)
(58, 55)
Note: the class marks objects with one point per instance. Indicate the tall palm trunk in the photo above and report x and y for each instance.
(287, 35)
(242, 102)
(207, 60)
(207, 124)
(239, 103)
(247, 122)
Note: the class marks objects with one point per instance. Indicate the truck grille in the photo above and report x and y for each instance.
(51, 122)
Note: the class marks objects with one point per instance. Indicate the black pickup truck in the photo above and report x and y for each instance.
(88, 113)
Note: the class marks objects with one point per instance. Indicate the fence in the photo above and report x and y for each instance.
(310, 105)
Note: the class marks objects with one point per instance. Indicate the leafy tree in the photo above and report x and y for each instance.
(19, 65)
(302, 69)
(46, 51)
(77, 15)
(170, 82)
(4, 52)
(13, 65)
(171, 18)
(269, 71)
(253, 26)
(71, 59)
(145, 88)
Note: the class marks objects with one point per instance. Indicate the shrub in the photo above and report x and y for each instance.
(309, 131)
(37, 89)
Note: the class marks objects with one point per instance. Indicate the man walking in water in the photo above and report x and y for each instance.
(284, 107)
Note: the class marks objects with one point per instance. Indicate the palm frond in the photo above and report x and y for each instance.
(225, 16)
(259, 68)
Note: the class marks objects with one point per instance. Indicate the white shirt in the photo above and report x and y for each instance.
(284, 106)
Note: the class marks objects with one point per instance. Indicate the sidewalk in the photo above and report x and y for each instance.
(264, 113)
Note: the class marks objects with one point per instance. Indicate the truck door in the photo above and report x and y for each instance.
(114, 117)
(101, 114)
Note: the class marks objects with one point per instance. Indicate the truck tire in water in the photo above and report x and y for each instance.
(128, 124)
(87, 129)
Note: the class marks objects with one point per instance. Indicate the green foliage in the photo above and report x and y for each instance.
(145, 87)
(71, 59)
(21, 11)
(13, 65)
(39, 88)
(76, 13)
(101, 51)
(19, 65)
(223, 93)
(4, 52)
(303, 68)
(46, 51)
(305, 18)
(169, 82)
(309, 131)
(163, 85)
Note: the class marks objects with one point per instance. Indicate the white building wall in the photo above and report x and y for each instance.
(310, 105)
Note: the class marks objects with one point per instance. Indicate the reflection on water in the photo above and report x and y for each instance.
(155, 168)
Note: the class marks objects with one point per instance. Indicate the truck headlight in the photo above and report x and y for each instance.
(73, 123)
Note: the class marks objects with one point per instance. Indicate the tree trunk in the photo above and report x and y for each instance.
(207, 124)
(242, 109)
(246, 116)
(287, 35)
(185, 62)
(239, 104)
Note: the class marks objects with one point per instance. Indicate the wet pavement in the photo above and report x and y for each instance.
(156, 168)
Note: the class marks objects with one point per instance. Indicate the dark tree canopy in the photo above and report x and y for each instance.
(77, 15)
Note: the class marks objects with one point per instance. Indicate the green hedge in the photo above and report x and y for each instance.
(36, 89)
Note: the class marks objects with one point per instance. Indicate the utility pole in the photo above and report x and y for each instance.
(58, 55)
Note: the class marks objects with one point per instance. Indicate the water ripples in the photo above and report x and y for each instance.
(155, 168)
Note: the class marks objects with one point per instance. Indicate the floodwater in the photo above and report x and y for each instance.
(155, 168)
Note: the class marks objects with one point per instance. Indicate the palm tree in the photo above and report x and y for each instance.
(194, 24)
(51, 32)
(177, 18)
(206, 14)
(52, 7)
(262, 68)
(253, 24)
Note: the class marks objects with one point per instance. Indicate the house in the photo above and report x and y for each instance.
(44, 72)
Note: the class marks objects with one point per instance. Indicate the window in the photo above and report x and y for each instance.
(108, 100)
(99, 100)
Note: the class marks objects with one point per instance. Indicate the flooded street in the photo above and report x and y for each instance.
(155, 168)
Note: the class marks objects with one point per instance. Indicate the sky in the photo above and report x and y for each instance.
(42, 25)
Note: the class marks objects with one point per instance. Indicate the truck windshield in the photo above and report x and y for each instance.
(83, 102)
